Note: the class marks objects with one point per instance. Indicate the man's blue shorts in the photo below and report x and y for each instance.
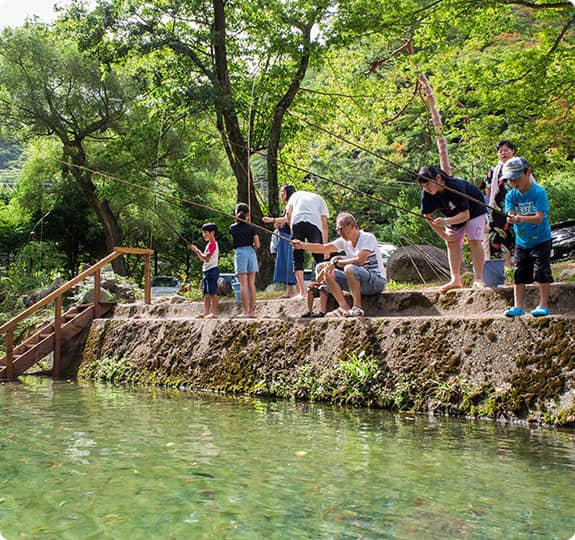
(369, 282)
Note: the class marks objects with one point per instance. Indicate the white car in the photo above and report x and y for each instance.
(386, 249)
(165, 285)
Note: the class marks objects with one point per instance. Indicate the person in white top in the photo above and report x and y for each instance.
(307, 214)
(359, 271)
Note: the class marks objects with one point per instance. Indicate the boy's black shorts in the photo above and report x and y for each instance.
(533, 264)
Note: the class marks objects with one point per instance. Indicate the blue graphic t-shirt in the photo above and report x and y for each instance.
(528, 235)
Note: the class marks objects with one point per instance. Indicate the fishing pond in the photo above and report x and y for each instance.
(88, 460)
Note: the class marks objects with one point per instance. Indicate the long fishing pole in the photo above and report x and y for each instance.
(357, 191)
(167, 196)
(169, 225)
(396, 165)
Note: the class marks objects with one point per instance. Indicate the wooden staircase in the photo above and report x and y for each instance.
(42, 343)
(66, 326)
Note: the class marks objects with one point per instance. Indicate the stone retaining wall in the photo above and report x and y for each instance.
(421, 351)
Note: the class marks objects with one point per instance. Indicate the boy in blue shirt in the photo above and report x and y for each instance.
(527, 208)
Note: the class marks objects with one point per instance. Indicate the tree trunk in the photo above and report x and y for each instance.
(236, 148)
(106, 217)
(276, 127)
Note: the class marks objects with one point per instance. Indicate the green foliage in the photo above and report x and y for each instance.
(357, 380)
(113, 370)
(35, 266)
(560, 190)
(144, 95)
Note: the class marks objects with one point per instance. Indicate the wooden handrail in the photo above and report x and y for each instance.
(67, 286)
(56, 295)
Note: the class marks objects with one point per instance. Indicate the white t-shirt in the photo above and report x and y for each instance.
(366, 241)
(306, 206)
(214, 251)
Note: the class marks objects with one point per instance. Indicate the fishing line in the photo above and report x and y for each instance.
(353, 190)
(396, 165)
(344, 186)
(169, 225)
(166, 195)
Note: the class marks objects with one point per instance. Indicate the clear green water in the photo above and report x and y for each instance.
(91, 461)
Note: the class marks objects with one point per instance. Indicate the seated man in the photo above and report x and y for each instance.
(359, 271)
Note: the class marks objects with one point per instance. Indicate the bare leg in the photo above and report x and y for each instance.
(244, 294)
(300, 282)
(455, 255)
(252, 290)
(323, 302)
(353, 284)
(336, 291)
(206, 304)
(519, 293)
(310, 300)
(478, 259)
(214, 307)
(544, 294)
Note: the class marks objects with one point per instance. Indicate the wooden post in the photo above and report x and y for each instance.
(9, 353)
(57, 337)
(148, 278)
(97, 294)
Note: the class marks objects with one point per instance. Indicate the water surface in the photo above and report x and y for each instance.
(82, 460)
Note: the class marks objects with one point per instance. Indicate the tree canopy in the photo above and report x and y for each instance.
(220, 101)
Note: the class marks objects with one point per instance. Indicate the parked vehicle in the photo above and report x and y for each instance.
(386, 249)
(165, 285)
(563, 240)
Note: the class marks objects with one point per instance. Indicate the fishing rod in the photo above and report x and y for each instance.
(344, 186)
(353, 190)
(167, 196)
(169, 225)
(363, 193)
(396, 165)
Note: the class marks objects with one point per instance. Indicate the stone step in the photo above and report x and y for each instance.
(430, 302)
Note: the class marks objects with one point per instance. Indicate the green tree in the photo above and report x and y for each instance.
(49, 88)
(241, 61)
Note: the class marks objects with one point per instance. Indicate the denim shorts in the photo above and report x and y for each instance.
(369, 282)
(210, 281)
(245, 260)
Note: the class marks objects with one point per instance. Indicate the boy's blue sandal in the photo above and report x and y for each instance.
(541, 311)
(514, 312)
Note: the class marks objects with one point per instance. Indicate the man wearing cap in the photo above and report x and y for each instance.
(527, 208)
